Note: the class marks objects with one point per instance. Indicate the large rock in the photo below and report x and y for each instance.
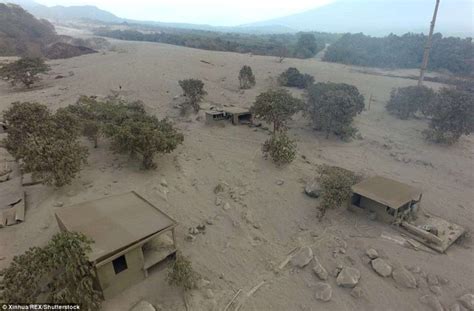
(323, 291)
(319, 270)
(381, 267)
(372, 253)
(432, 302)
(348, 277)
(404, 277)
(303, 257)
(312, 189)
(143, 306)
(357, 292)
(467, 301)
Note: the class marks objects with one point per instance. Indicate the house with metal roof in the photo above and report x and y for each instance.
(387, 199)
(129, 235)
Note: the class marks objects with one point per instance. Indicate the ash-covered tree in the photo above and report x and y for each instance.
(56, 273)
(277, 107)
(194, 91)
(405, 102)
(246, 77)
(144, 135)
(292, 77)
(46, 144)
(182, 274)
(24, 70)
(306, 46)
(452, 115)
(336, 184)
(333, 106)
(280, 148)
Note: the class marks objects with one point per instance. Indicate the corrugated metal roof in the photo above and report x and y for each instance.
(115, 222)
(387, 191)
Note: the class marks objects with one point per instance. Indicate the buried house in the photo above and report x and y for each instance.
(397, 203)
(234, 114)
(130, 236)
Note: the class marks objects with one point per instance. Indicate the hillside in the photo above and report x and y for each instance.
(375, 17)
(21, 33)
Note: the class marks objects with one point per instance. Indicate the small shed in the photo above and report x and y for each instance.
(386, 198)
(239, 115)
(214, 116)
(130, 236)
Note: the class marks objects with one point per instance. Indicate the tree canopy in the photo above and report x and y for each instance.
(56, 273)
(306, 46)
(246, 77)
(333, 106)
(24, 70)
(292, 77)
(452, 115)
(406, 101)
(46, 143)
(276, 106)
(194, 91)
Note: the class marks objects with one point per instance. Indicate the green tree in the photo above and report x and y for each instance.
(292, 77)
(144, 135)
(24, 70)
(246, 77)
(406, 101)
(306, 46)
(333, 106)
(280, 148)
(194, 91)
(62, 266)
(183, 275)
(46, 144)
(336, 184)
(277, 107)
(452, 115)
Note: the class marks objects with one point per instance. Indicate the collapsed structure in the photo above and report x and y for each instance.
(234, 114)
(393, 202)
(130, 236)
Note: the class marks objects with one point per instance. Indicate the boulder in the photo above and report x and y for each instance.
(432, 279)
(319, 270)
(381, 267)
(455, 307)
(312, 189)
(348, 277)
(143, 306)
(436, 290)
(372, 253)
(467, 301)
(432, 302)
(357, 292)
(323, 291)
(404, 277)
(303, 257)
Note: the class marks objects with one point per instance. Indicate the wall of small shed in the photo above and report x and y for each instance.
(112, 284)
(379, 209)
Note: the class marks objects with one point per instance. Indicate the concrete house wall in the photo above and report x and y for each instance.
(111, 283)
(379, 209)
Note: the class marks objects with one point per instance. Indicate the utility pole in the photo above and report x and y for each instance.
(426, 53)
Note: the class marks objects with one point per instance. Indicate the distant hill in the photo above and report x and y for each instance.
(376, 17)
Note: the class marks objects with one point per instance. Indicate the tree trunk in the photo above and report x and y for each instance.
(148, 161)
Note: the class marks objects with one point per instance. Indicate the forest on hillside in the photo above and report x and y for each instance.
(455, 55)
(300, 45)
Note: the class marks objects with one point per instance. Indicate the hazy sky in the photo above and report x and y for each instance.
(215, 12)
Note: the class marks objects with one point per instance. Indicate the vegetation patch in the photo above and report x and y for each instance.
(25, 70)
(246, 78)
(292, 77)
(405, 102)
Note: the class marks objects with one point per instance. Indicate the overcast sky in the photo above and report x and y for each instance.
(215, 12)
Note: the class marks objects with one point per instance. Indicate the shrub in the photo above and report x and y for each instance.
(336, 184)
(246, 78)
(182, 274)
(333, 106)
(46, 144)
(293, 78)
(281, 148)
(276, 106)
(24, 70)
(62, 265)
(406, 101)
(452, 115)
(145, 135)
(194, 91)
